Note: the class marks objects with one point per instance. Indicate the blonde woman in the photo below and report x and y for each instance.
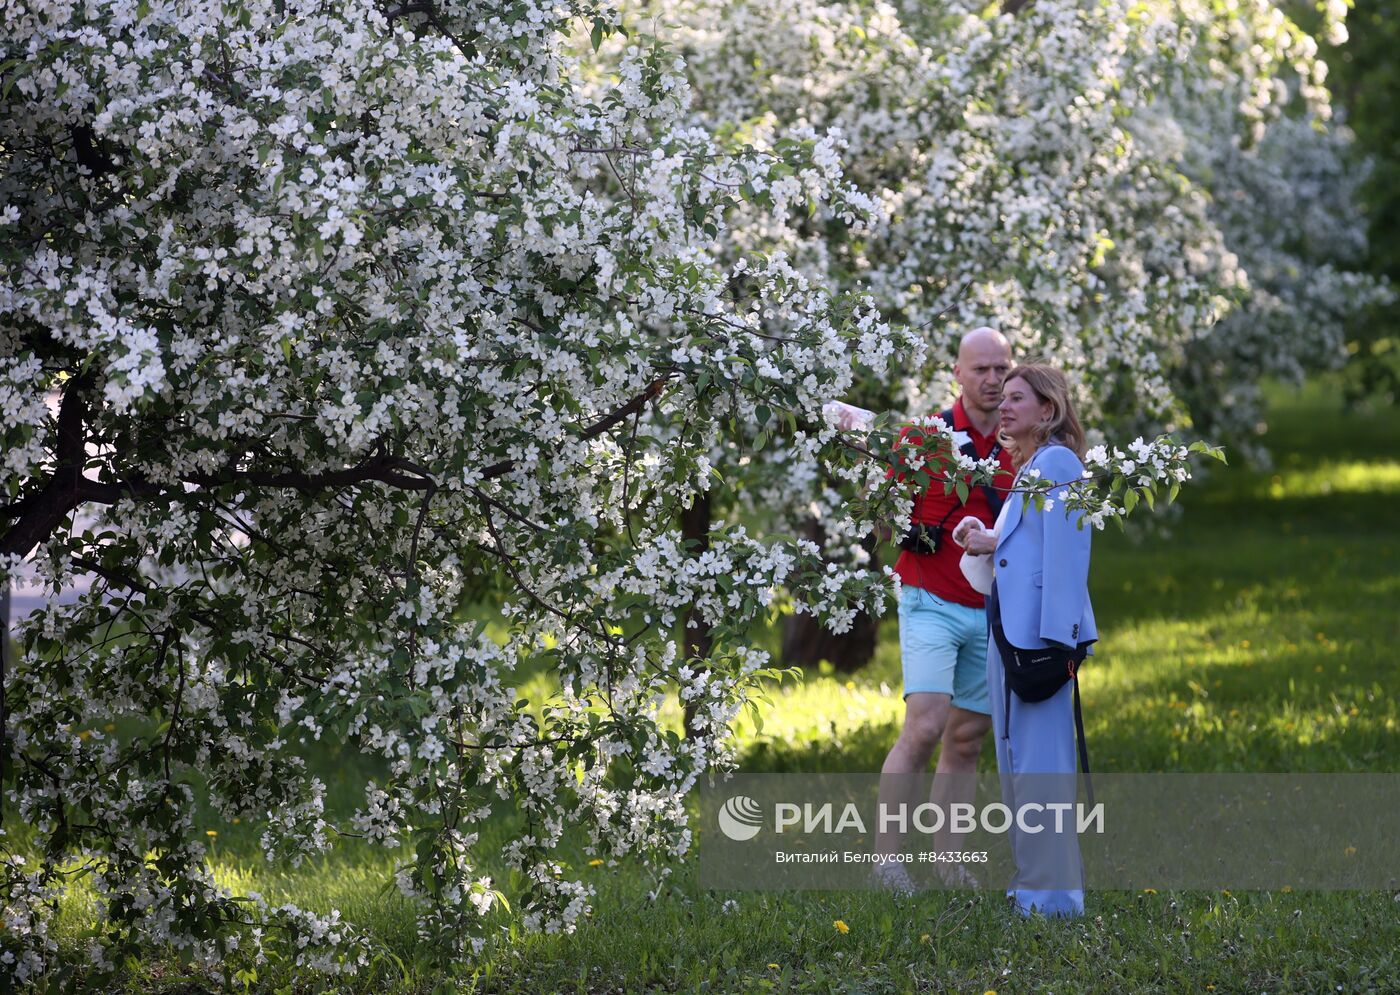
(1040, 600)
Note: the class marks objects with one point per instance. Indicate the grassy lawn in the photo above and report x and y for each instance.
(1254, 635)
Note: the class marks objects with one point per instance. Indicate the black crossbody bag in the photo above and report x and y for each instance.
(1037, 674)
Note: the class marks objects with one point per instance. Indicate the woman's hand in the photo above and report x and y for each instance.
(980, 543)
(969, 524)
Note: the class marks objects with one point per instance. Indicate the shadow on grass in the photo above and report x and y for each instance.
(860, 749)
(1330, 552)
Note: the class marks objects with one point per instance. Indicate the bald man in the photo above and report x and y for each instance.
(942, 621)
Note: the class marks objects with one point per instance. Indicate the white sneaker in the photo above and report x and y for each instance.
(958, 876)
(893, 878)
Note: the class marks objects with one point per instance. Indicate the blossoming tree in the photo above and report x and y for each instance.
(352, 313)
(321, 325)
(1149, 195)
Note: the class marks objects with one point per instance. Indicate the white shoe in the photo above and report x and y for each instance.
(893, 878)
(959, 877)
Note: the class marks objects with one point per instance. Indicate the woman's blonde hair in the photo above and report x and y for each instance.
(1049, 385)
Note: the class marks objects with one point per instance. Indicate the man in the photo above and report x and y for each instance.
(943, 623)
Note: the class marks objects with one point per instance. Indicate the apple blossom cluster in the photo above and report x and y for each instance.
(29, 901)
(1114, 481)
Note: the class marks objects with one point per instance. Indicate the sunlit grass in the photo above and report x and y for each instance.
(1350, 477)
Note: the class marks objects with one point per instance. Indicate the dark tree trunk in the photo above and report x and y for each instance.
(806, 642)
(695, 524)
(4, 669)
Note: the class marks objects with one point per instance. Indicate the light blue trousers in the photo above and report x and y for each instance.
(1037, 761)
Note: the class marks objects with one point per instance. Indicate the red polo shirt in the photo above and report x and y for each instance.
(938, 573)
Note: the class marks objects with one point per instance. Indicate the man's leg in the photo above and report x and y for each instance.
(925, 717)
(968, 721)
(955, 781)
(928, 649)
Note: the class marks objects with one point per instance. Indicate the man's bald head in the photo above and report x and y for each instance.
(984, 358)
(982, 339)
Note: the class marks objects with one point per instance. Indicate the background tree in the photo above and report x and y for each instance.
(1149, 195)
(1366, 80)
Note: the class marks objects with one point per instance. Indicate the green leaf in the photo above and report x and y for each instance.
(596, 35)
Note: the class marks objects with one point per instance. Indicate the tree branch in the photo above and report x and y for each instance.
(41, 516)
(406, 9)
(379, 469)
(636, 404)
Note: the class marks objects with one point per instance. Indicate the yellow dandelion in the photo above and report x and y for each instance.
(1288, 889)
(925, 939)
(990, 991)
(109, 727)
(211, 833)
(841, 926)
(595, 862)
(1225, 892)
(1350, 851)
(850, 685)
(85, 734)
(237, 821)
(1149, 891)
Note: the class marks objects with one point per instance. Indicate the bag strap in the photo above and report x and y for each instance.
(1083, 742)
(970, 451)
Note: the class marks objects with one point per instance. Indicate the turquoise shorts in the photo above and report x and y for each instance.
(943, 647)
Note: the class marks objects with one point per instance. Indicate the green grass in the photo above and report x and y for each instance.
(1254, 634)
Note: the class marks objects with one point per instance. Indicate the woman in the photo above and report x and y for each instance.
(1040, 559)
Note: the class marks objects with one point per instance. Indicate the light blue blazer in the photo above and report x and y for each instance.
(1042, 562)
